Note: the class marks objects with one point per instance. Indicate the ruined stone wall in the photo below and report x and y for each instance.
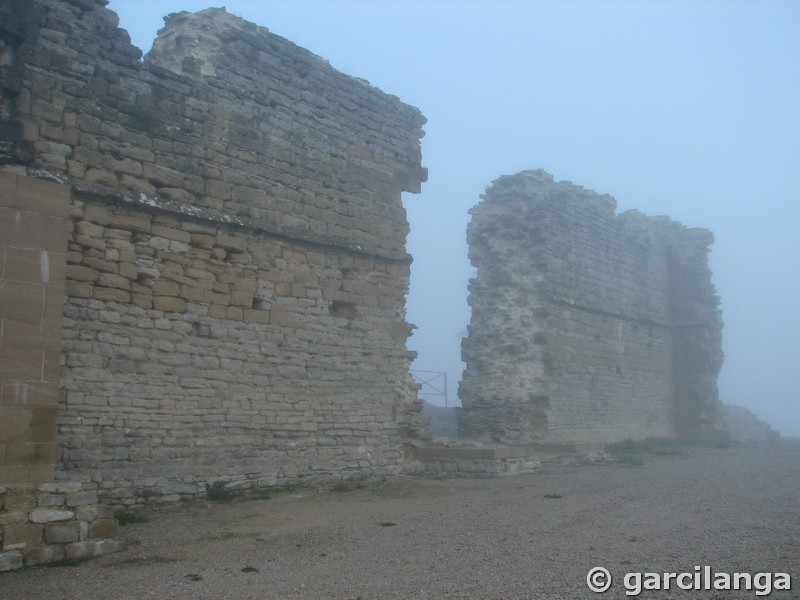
(586, 326)
(236, 268)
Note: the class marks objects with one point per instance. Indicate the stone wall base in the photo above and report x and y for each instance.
(478, 460)
(53, 522)
(460, 457)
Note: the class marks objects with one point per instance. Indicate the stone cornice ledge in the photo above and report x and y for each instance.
(95, 191)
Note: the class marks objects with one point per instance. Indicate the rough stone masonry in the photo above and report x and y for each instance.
(587, 326)
(204, 264)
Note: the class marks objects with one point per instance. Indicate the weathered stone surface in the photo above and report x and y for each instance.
(33, 245)
(81, 499)
(586, 326)
(20, 502)
(61, 533)
(90, 548)
(104, 528)
(93, 511)
(234, 258)
(43, 534)
(47, 515)
(10, 560)
(42, 555)
(17, 517)
(65, 487)
(16, 537)
(50, 500)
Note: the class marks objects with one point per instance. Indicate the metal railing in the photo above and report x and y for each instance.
(432, 383)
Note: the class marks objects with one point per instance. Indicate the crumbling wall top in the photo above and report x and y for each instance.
(586, 325)
(190, 42)
(221, 117)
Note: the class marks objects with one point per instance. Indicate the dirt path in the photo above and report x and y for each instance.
(529, 536)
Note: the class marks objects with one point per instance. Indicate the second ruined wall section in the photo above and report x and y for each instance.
(574, 335)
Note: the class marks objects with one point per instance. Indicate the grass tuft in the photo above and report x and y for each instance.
(216, 492)
(128, 517)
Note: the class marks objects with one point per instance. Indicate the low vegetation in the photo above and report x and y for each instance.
(127, 517)
(216, 492)
(633, 453)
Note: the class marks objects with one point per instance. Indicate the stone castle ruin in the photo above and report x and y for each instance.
(203, 275)
(204, 268)
(587, 326)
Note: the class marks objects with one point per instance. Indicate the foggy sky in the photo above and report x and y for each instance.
(685, 108)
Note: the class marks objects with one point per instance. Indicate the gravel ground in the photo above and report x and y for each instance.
(528, 536)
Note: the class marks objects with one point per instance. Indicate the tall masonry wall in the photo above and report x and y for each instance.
(587, 326)
(234, 266)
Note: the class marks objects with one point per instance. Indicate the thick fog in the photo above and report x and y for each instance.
(689, 109)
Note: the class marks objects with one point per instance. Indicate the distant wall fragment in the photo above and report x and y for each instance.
(587, 326)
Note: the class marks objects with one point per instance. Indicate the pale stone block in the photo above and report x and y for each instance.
(42, 555)
(17, 537)
(50, 500)
(111, 295)
(279, 315)
(169, 304)
(11, 560)
(61, 533)
(132, 222)
(231, 243)
(222, 372)
(104, 528)
(49, 515)
(89, 548)
(81, 499)
(13, 517)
